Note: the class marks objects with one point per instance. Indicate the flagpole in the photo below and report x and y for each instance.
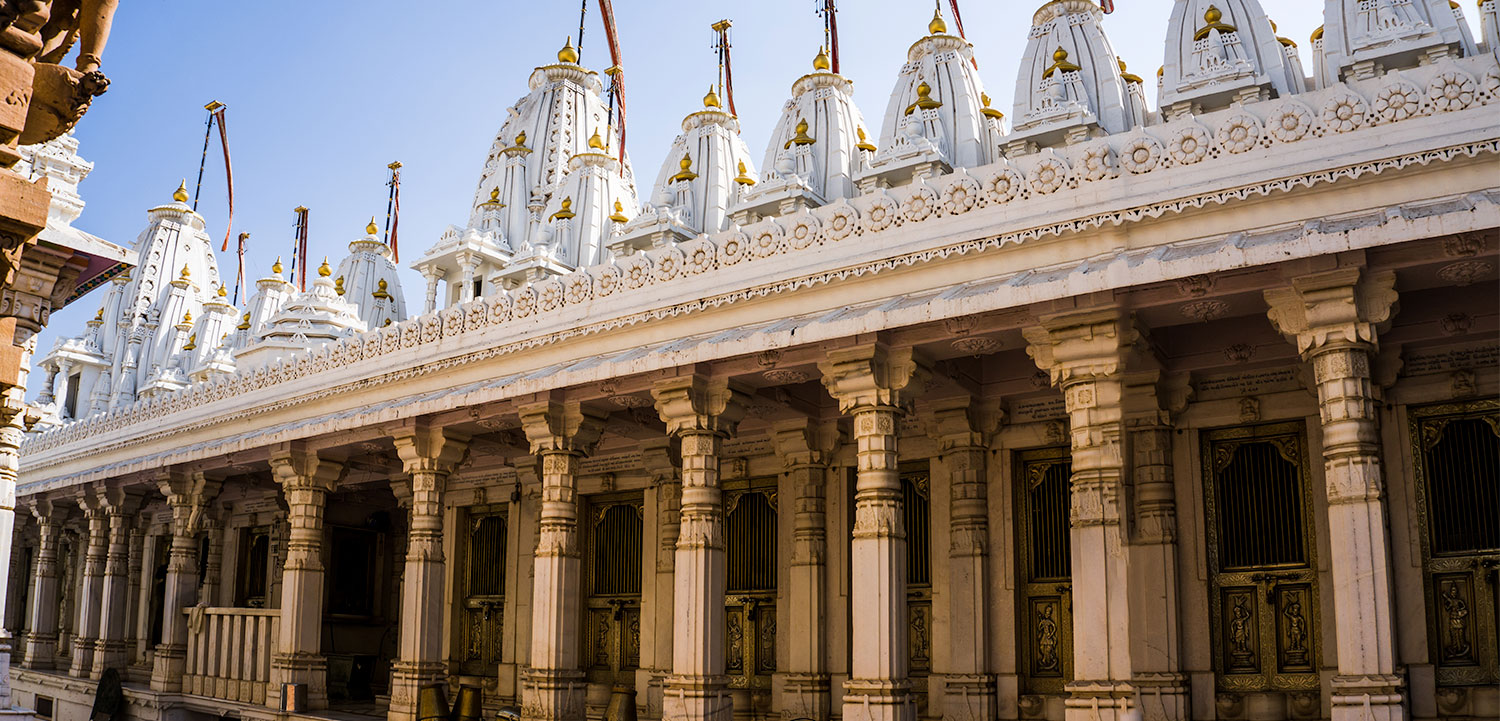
(208, 129)
(390, 198)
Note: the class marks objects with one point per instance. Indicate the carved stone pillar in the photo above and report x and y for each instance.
(432, 275)
(11, 409)
(306, 480)
(1332, 318)
(187, 496)
(1084, 353)
(1156, 632)
(962, 428)
(46, 395)
(91, 600)
(136, 562)
(41, 640)
(149, 563)
(560, 433)
(701, 412)
(661, 459)
(111, 650)
(872, 383)
(806, 447)
(428, 454)
(208, 589)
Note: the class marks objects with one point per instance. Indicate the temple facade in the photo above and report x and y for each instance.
(1093, 412)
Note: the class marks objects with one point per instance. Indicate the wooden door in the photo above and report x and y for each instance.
(481, 592)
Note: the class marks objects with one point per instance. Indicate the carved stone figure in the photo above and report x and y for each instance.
(44, 32)
(1046, 641)
(1457, 612)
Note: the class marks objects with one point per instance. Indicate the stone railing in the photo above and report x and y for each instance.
(229, 652)
(1185, 163)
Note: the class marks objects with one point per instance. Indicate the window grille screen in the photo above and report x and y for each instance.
(487, 556)
(752, 544)
(617, 550)
(1260, 509)
(916, 510)
(1047, 500)
(1463, 481)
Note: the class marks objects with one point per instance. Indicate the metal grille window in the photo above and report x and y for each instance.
(1047, 496)
(1259, 500)
(617, 550)
(751, 523)
(255, 561)
(1463, 463)
(916, 509)
(487, 557)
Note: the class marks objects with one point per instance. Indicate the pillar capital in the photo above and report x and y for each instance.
(425, 447)
(187, 495)
(806, 441)
(1080, 345)
(1334, 309)
(118, 500)
(874, 375)
(296, 468)
(961, 422)
(561, 427)
(697, 403)
(46, 512)
(662, 459)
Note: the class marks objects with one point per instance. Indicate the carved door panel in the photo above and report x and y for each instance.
(482, 590)
(1457, 449)
(612, 630)
(1263, 586)
(750, 606)
(916, 510)
(1044, 549)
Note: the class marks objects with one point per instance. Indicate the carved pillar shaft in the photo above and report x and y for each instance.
(970, 681)
(41, 640)
(10, 448)
(1333, 319)
(186, 496)
(805, 447)
(660, 459)
(136, 561)
(306, 480)
(428, 455)
(1084, 354)
(212, 566)
(110, 651)
(143, 617)
(700, 412)
(91, 602)
(555, 675)
(432, 288)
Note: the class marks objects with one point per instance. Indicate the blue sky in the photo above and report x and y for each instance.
(322, 95)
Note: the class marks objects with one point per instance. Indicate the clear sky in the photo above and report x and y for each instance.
(323, 95)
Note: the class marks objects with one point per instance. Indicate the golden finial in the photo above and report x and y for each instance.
(711, 100)
(863, 144)
(937, 26)
(323, 270)
(276, 267)
(1060, 62)
(338, 285)
(1316, 35)
(372, 228)
(596, 142)
(565, 211)
(924, 99)
(1128, 77)
(686, 164)
(380, 291)
(568, 54)
(187, 317)
(223, 292)
(185, 274)
(180, 194)
(100, 314)
(244, 323)
(192, 342)
(801, 138)
(619, 214)
(386, 323)
(495, 194)
(521, 139)
(1211, 18)
(988, 111)
(744, 177)
(821, 61)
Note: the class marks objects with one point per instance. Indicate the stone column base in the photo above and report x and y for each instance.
(167, 667)
(1373, 697)
(548, 695)
(83, 657)
(867, 700)
(697, 698)
(301, 667)
(806, 695)
(969, 697)
(41, 649)
(650, 704)
(406, 678)
(109, 654)
(1098, 700)
(1163, 696)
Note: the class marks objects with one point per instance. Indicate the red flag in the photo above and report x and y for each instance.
(228, 173)
(607, 12)
(833, 36)
(1107, 5)
(395, 214)
(959, 21)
